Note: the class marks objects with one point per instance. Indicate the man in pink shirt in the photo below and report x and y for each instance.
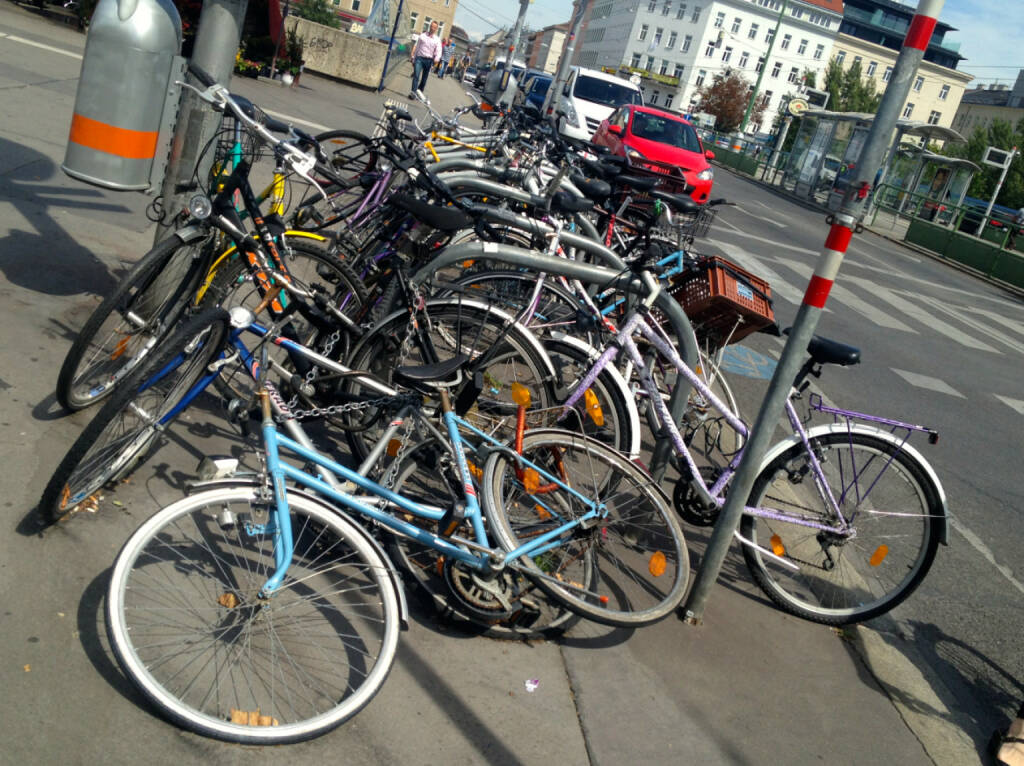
(426, 53)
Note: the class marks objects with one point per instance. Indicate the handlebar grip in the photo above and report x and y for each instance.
(201, 74)
(275, 125)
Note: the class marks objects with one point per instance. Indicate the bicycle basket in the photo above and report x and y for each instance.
(686, 227)
(723, 302)
(231, 145)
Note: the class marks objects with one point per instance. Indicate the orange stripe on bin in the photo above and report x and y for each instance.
(130, 144)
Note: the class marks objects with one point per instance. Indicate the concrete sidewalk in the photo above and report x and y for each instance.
(751, 685)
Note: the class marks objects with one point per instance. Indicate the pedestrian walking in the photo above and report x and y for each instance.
(426, 52)
(442, 67)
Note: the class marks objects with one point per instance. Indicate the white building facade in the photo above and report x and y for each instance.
(679, 45)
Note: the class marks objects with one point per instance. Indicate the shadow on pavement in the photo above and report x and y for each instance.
(48, 260)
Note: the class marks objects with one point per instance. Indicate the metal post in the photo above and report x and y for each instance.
(988, 210)
(280, 40)
(391, 44)
(220, 30)
(517, 32)
(760, 75)
(555, 90)
(842, 229)
(780, 139)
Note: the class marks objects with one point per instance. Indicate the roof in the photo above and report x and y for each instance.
(836, 6)
(985, 97)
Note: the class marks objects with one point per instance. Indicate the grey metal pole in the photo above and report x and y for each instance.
(991, 203)
(555, 90)
(843, 225)
(517, 32)
(220, 30)
(760, 75)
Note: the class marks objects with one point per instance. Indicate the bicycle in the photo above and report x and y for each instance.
(219, 566)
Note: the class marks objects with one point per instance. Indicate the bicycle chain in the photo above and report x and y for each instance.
(288, 413)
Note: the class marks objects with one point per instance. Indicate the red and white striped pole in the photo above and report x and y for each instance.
(843, 225)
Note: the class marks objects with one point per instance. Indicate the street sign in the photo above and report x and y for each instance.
(998, 158)
(798, 106)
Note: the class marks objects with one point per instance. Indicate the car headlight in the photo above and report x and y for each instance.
(633, 154)
(570, 114)
(706, 175)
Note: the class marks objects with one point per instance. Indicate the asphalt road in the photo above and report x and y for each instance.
(940, 348)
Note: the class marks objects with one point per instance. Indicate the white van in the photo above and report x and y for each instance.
(588, 97)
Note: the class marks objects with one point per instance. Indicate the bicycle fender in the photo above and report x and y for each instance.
(243, 481)
(634, 416)
(189, 234)
(878, 433)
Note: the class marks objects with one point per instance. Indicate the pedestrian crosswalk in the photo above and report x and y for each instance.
(911, 307)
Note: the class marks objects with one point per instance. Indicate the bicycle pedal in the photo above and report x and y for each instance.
(451, 520)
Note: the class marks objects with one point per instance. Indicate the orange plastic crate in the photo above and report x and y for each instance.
(723, 301)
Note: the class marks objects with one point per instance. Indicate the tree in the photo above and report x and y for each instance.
(726, 97)
(849, 91)
(1002, 135)
(318, 12)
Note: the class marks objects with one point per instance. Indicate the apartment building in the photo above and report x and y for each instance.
(872, 34)
(980, 107)
(421, 12)
(677, 46)
(544, 47)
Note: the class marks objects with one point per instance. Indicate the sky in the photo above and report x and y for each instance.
(989, 34)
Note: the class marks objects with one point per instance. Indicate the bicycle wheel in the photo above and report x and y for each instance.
(506, 606)
(189, 627)
(637, 545)
(889, 500)
(349, 155)
(311, 268)
(128, 323)
(608, 412)
(502, 353)
(128, 424)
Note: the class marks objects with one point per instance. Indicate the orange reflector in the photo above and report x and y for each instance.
(120, 348)
(121, 142)
(542, 513)
(777, 547)
(474, 470)
(467, 264)
(593, 407)
(603, 600)
(657, 564)
(393, 446)
(520, 395)
(531, 480)
(879, 555)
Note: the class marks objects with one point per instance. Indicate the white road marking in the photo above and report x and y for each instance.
(901, 303)
(34, 44)
(1002, 319)
(926, 381)
(847, 298)
(765, 218)
(981, 326)
(293, 120)
(1016, 404)
(987, 554)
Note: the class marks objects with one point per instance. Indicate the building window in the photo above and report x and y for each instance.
(759, 66)
(668, 101)
(819, 51)
(686, 43)
(736, 25)
(744, 58)
(786, 40)
(766, 98)
(908, 110)
(798, 13)
(355, 5)
(635, 61)
(752, 34)
(840, 57)
(643, 32)
(710, 50)
(667, 8)
(872, 66)
(934, 117)
(681, 13)
(943, 92)
(719, 19)
(803, 48)
(654, 98)
(887, 75)
(413, 18)
(727, 54)
(769, 35)
(426, 24)
(678, 73)
(652, 5)
(776, 68)
(440, 29)
(856, 61)
(918, 83)
(673, 36)
(658, 34)
(695, 17)
(650, 63)
(664, 67)
(701, 74)
(794, 75)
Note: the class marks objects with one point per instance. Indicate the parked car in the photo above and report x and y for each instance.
(537, 89)
(588, 97)
(644, 133)
(1000, 219)
(481, 76)
(470, 75)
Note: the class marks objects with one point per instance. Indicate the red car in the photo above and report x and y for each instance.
(644, 133)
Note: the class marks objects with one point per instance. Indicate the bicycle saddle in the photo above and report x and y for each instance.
(436, 216)
(423, 378)
(826, 351)
(678, 202)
